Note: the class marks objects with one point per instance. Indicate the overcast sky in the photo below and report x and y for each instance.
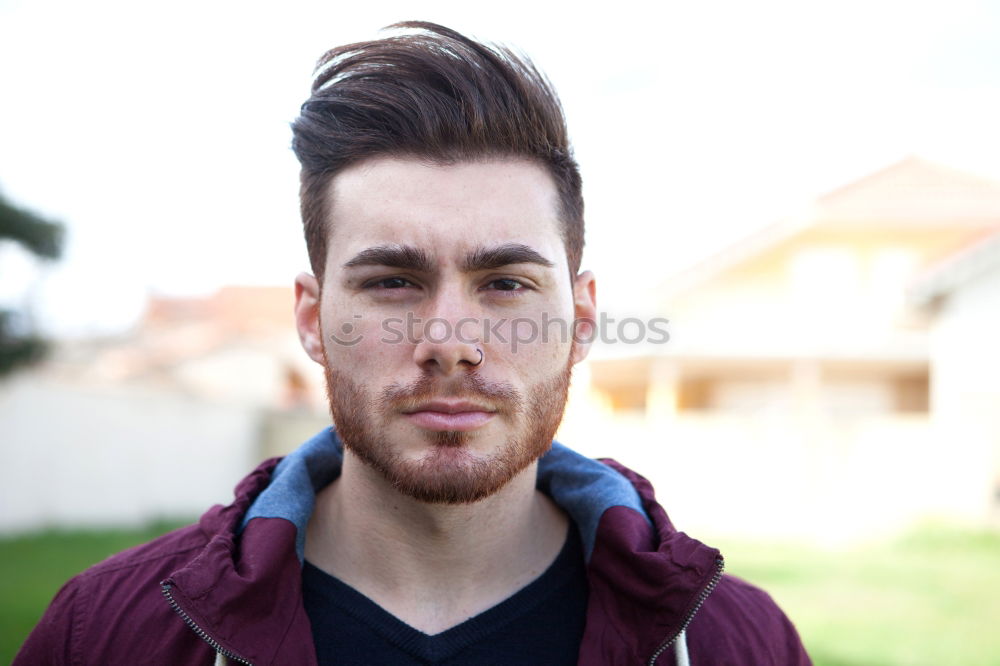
(159, 132)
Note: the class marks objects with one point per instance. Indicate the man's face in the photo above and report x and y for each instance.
(445, 321)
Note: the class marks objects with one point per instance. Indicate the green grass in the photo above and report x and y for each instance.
(33, 568)
(931, 597)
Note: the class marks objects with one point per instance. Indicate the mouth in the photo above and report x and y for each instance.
(454, 415)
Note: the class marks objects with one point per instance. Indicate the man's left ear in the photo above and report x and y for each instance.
(584, 328)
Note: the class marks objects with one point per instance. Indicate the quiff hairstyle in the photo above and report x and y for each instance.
(436, 95)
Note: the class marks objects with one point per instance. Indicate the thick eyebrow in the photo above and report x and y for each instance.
(497, 256)
(397, 256)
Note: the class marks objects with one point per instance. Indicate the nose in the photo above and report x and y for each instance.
(449, 339)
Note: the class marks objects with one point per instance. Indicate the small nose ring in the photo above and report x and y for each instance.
(480, 361)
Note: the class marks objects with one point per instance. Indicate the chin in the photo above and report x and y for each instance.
(449, 475)
(450, 470)
(447, 466)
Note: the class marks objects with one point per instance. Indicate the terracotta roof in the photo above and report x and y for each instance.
(234, 309)
(913, 192)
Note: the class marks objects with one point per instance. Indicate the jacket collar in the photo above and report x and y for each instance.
(244, 589)
(583, 487)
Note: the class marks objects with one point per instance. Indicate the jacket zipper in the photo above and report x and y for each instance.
(198, 630)
(720, 565)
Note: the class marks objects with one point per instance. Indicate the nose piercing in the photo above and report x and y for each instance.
(480, 361)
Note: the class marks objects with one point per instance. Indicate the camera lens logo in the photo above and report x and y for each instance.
(347, 336)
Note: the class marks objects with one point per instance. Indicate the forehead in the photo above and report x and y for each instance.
(444, 209)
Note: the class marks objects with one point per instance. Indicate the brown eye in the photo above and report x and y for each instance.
(506, 284)
(391, 283)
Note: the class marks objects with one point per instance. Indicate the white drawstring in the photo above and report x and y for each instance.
(681, 650)
(220, 659)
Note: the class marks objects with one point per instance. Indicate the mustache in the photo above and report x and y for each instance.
(499, 396)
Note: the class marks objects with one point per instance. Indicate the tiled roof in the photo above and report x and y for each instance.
(234, 309)
(913, 192)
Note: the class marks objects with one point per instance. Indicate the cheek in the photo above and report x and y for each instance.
(356, 340)
(536, 346)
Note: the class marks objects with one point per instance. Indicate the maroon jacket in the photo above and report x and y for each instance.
(231, 584)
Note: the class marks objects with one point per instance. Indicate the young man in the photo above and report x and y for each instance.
(439, 524)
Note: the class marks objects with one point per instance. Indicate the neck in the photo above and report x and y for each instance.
(432, 565)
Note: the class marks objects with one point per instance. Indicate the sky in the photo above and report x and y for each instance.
(159, 133)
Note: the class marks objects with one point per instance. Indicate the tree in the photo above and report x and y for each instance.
(19, 344)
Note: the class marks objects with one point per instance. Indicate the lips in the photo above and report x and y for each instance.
(457, 415)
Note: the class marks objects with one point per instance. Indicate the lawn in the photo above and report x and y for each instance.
(931, 597)
(34, 567)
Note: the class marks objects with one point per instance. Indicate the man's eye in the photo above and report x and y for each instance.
(391, 283)
(506, 284)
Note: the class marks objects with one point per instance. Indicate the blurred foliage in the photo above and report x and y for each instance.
(19, 346)
(926, 598)
(41, 237)
(17, 349)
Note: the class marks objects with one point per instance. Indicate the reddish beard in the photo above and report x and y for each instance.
(449, 474)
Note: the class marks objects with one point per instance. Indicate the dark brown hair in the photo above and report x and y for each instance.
(432, 94)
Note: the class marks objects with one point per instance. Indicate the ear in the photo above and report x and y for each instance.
(584, 314)
(307, 302)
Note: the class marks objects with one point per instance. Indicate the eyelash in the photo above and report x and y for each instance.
(520, 286)
(380, 285)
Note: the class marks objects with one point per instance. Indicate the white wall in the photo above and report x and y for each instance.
(965, 390)
(769, 476)
(75, 456)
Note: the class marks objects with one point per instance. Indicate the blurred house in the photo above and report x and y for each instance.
(831, 377)
(162, 421)
(238, 345)
(962, 294)
(834, 376)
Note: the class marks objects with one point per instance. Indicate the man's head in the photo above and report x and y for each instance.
(446, 294)
(436, 95)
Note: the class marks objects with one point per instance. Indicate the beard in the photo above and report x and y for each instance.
(450, 473)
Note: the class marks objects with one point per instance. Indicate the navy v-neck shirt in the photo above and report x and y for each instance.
(540, 625)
